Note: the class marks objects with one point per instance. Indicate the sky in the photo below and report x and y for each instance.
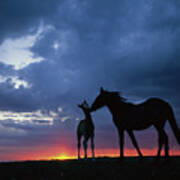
(56, 53)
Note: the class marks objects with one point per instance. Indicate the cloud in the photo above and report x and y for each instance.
(110, 44)
(65, 118)
(11, 132)
(17, 52)
(18, 18)
(34, 117)
(15, 81)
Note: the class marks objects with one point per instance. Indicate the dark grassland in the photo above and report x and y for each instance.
(102, 168)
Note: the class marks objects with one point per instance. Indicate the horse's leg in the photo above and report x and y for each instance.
(85, 146)
(163, 139)
(121, 142)
(92, 146)
(79, 145)
(166, 144)
(160, 143)
(131, 134)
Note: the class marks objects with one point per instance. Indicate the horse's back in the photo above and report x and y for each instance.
(156, 105)
(143, 115)
(157, 109)
(155, 100)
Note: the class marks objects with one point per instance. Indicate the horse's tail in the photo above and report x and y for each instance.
(173, 124)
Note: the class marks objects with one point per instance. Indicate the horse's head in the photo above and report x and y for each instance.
(103, 98)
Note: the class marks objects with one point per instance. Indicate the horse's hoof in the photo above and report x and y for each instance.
(141, 159)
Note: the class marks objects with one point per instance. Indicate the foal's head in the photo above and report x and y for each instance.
(104, 98)
(84, 106)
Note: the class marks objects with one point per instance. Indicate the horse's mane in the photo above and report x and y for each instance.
(118, 96)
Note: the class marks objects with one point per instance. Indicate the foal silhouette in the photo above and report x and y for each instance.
(129, 117)
(86, 129)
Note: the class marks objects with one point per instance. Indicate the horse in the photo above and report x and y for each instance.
(129, 117)
(85, 128)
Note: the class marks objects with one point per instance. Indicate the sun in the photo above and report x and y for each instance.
(64, 156)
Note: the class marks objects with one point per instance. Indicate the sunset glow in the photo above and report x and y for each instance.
(57, 153)
(110, 153)
(64, 156)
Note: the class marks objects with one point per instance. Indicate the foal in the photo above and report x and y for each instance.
(86, 129)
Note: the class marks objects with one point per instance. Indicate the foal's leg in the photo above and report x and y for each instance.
(121, 142)
(79, 145)
(92, 146)
(131, 134)
(85, 146)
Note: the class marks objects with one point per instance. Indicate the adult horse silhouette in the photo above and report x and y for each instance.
(86, 129)
(129, 117)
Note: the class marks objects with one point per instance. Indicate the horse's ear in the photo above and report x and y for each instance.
(78, 105)
(101, 90)
(85, 101)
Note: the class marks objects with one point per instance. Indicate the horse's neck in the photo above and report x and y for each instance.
(87, 116)
(117, 108)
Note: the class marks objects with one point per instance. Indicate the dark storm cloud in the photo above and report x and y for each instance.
(17, 100)
(126, 49)
(18, 17)
(121, 45)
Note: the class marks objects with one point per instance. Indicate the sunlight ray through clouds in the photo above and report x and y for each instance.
(56, 45)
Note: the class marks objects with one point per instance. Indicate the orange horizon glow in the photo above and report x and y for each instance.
(63, 153)
(109, 153)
